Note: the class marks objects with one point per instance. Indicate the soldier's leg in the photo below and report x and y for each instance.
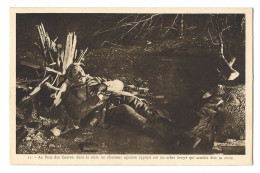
(125, 114)
(145, 110)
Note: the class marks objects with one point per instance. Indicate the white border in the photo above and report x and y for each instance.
(4, 47)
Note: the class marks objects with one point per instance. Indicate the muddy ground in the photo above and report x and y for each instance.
(171, 79)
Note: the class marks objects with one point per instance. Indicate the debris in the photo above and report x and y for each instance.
(29, 144)
(207, 95)
(28, 138)
(30, 130)
(234, 100)
(233, 149)
(135, 93)
(231, 146)
(56, 131)
(38, 139)
(87, 133)
(52, 146)
(158, 97)
(78, 139)
(19, 114)
(148, 42)
(145, 90)
(220, 90)
(45, 121)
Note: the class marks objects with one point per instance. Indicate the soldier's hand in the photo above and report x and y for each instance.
(103, 97)
(101, 87)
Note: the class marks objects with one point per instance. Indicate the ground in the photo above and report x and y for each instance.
(169, 79)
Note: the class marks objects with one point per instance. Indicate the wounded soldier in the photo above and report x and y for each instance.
(102, 103)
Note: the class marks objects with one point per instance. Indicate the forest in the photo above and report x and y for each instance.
(189, 68)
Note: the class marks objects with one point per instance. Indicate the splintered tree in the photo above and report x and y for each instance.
(56, 60)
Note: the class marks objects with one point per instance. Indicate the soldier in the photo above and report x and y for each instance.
(87, 99)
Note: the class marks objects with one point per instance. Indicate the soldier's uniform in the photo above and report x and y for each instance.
(82, 102)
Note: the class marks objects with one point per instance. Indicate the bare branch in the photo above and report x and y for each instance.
(133, 24)
(172, 25)
(212, 39)
(226, 28)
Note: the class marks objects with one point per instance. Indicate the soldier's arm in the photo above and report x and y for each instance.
(82, 108)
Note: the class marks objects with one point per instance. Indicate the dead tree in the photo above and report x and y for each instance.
(56, 60)
(228, 71)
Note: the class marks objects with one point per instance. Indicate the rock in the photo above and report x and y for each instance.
(56, 131)
(29, 144)
(52, 146)
(38, 139)
(28, 138)
(30, 130)
(88, 147)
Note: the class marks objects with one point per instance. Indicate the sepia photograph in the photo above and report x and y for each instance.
(132, 83)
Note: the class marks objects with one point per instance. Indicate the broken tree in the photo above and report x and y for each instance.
(56, 60)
